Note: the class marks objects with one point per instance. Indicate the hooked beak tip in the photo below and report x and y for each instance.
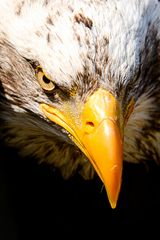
(113, 186)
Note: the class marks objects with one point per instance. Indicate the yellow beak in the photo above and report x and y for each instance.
(97, 134)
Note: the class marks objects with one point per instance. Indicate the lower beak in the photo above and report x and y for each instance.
(98, 136)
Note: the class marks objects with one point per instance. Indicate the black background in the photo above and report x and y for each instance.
(35, 202)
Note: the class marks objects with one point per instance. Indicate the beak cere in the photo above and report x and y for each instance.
(98, 136)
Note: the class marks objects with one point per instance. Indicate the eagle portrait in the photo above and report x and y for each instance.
(80, 84)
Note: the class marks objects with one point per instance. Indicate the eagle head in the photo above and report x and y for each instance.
(80, 84)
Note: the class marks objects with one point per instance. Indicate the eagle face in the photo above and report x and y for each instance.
(79, 81)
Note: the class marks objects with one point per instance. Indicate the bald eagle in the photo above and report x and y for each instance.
(80, 84)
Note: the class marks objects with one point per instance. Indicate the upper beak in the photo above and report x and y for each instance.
(98, 135)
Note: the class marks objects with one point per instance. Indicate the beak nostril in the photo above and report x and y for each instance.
(89, 127)
(90, 124)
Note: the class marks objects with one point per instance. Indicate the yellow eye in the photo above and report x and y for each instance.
(129, 110)
(43, 80)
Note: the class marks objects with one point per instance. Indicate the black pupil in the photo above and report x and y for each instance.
(46, 80)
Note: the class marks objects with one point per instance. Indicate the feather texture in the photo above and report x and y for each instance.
(81, 45)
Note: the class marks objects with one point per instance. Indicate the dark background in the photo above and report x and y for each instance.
(35, 202)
